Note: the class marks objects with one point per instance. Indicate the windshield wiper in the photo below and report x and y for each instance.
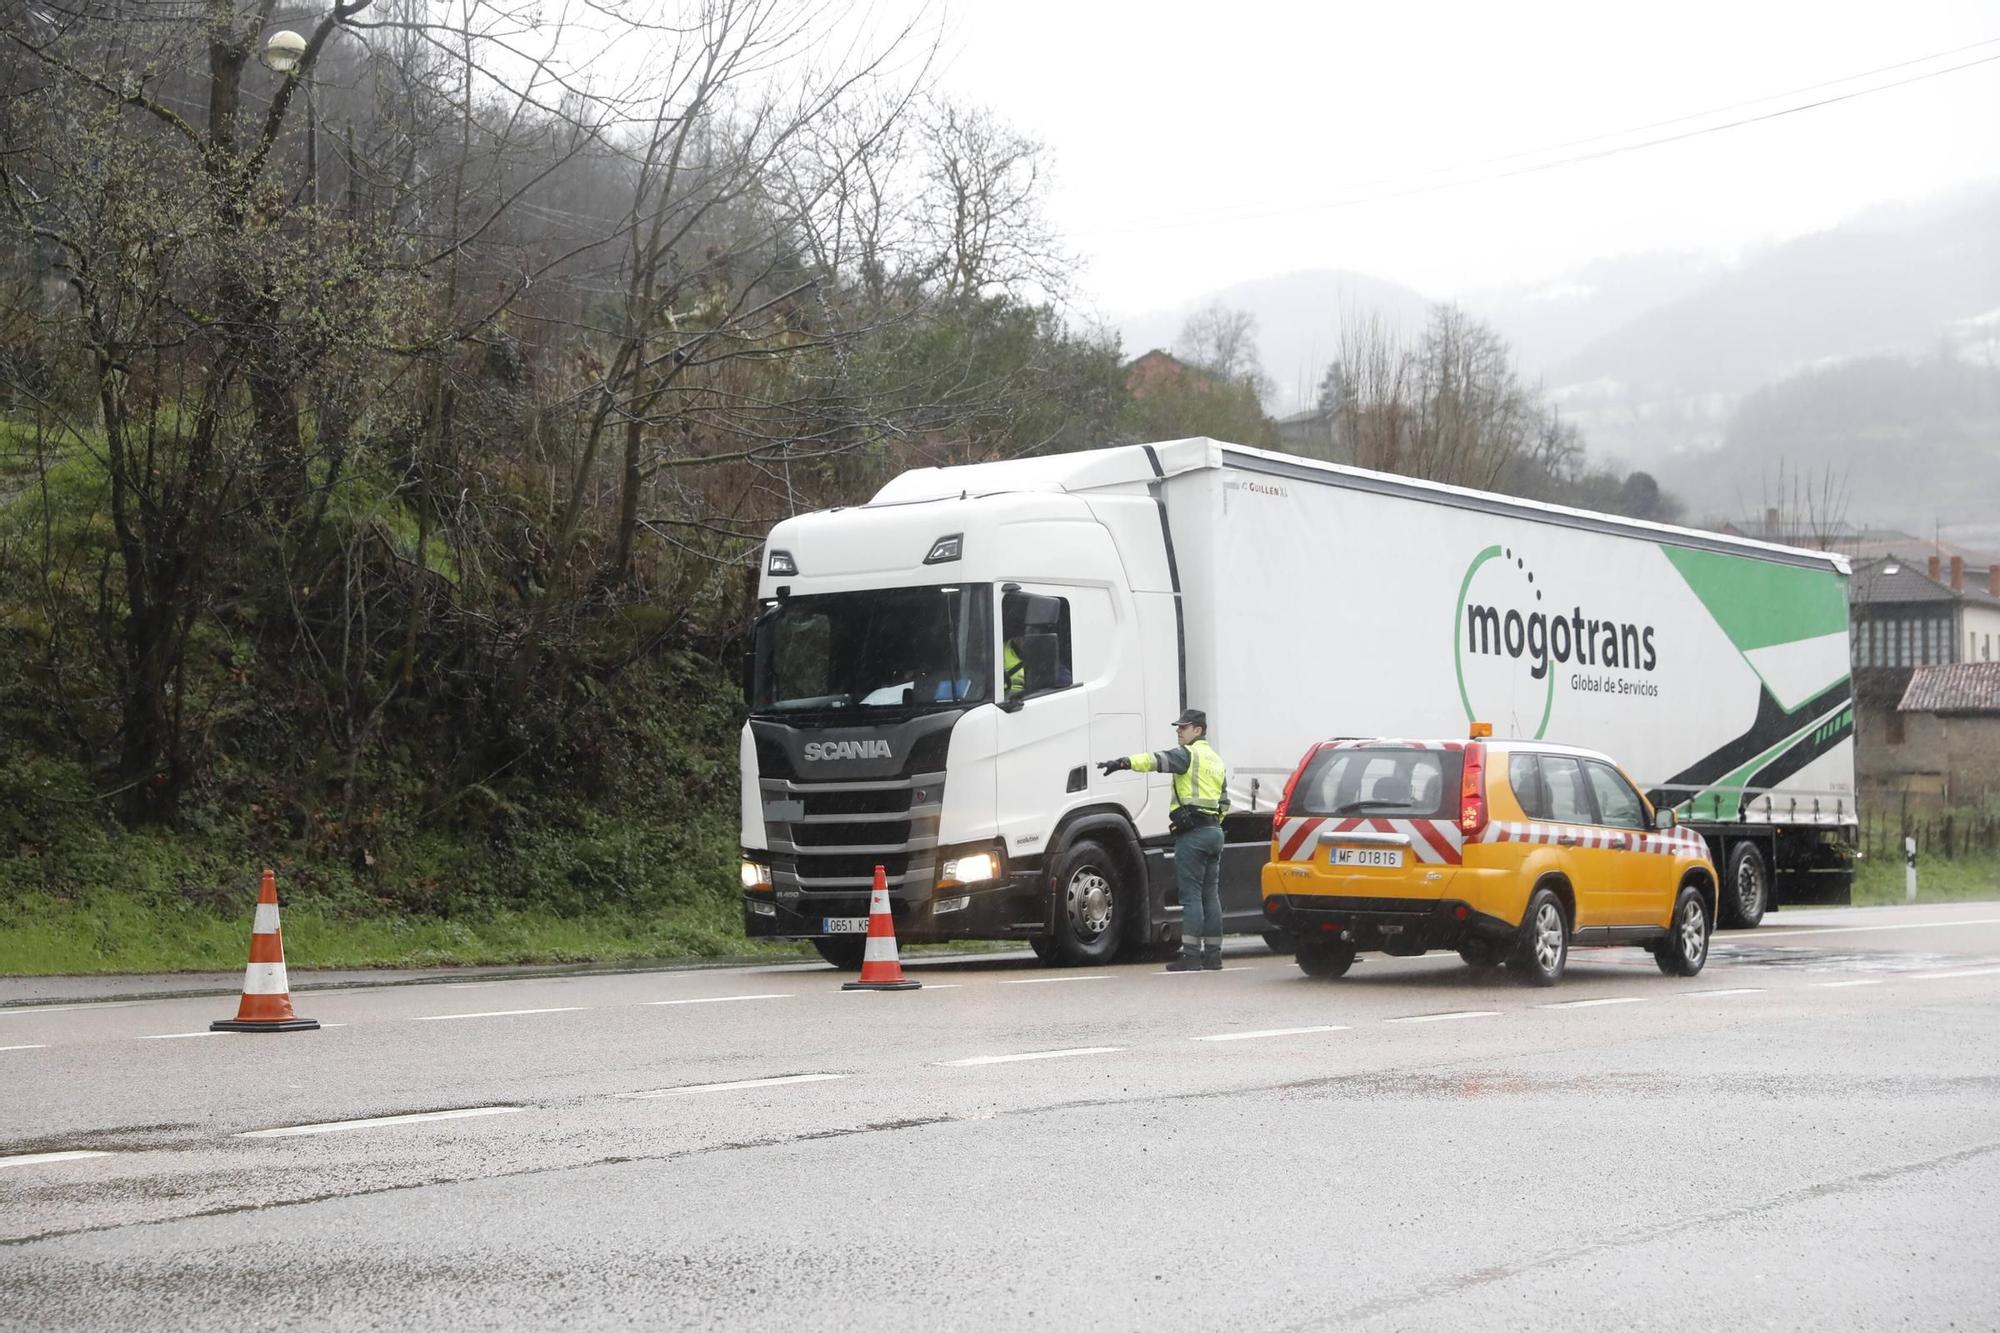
(1356, 807)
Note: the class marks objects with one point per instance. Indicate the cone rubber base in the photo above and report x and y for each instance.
(905, 984)
(281, 1025)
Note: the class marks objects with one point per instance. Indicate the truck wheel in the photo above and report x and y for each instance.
(1746, 890)
(843, 951)
(1685, 948)
(1325, 959)
(1543, 950)
(1090, 904)
(1045, 949)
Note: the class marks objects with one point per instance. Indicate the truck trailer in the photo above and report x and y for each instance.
(934, 674)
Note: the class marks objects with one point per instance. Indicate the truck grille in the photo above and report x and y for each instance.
(828, 837)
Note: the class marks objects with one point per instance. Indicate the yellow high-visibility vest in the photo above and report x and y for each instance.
(1200, 776)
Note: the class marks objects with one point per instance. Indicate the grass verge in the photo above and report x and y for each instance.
(1879, 882)
(113, 932)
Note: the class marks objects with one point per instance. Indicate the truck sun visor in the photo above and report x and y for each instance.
(946, 549)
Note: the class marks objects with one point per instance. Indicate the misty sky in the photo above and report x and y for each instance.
(1198, 144)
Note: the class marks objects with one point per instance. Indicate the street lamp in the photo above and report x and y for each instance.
(281, 56)
(282, 52)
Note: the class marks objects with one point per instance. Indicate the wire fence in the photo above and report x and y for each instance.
(1947, 835)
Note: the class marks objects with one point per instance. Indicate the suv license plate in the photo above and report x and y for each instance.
(1390, 857)
(846, 925)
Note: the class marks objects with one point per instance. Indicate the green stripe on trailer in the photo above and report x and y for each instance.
(1759, 604)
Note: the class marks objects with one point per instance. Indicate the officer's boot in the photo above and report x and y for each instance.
(1211, 957)
(1189, 961)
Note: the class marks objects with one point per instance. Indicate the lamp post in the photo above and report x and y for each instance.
(281, 56)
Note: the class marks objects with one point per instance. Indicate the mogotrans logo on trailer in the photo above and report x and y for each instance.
(1506, 624)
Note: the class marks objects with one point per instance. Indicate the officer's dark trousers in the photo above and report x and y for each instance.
(1198, 873)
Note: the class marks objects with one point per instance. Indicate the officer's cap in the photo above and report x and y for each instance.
(1193, 717)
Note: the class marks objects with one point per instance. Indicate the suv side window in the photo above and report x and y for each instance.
(1525, 777)
(1619, 805)
(1569, 802)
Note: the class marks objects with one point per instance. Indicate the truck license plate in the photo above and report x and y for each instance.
(846, 925)
(1391, 857)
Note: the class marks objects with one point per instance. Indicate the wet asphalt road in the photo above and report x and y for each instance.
(1807, 1135)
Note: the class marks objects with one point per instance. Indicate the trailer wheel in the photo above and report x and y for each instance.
(1090, 892)
(1746, 889)
(843, 951)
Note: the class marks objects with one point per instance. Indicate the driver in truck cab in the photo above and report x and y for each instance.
(1195, 816)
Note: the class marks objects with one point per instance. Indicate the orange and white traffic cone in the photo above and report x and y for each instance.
(880, 968)
(267, 995)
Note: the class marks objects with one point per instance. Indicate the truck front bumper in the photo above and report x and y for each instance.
(1009, 909)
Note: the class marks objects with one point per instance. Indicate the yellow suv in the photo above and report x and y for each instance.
(1507, 851)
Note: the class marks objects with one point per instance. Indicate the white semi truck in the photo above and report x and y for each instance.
(935, 673)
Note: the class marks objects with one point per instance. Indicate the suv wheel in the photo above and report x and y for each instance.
(1325, 959)
(1747, 891)
(1685, 949)
(1277, 941)
(1482, 953)
(1543, 950)
(1090, 908)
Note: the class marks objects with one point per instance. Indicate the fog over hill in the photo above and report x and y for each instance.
(1842, 348)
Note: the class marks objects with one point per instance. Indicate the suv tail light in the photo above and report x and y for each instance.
(1284, 801)
(1471, 793)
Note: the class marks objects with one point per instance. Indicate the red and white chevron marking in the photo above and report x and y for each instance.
(1678, 841)
(1432, 841)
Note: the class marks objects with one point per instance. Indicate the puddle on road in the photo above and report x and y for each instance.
(1806, 958)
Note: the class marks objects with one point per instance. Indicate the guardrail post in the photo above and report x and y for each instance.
(1910, 869)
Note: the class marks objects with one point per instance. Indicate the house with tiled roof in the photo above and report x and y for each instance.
(1951, 730)
(1910, 622)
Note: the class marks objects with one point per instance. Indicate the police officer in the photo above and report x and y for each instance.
(1195, 816)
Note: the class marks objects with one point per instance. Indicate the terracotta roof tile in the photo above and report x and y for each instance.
(1968, 687)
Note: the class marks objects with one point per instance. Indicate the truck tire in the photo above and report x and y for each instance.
(1746, 888)
(1685, 949)
(843, 951)
(1543, 951)
(1045, 949)
(1325, 959)
(1091, 893)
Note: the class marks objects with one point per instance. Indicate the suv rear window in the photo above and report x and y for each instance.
(1391, 783)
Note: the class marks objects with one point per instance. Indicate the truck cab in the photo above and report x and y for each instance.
(931, 677)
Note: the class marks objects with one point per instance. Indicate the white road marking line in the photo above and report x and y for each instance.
(1850, 930)
(67, 1008)
(1271, 1032)
(1592, 1004)
(1446, 1018)
(731, 1087)
(36, 1158)
(1043, 981)
(498, 1013)
(1836, 985)
(719, 999)
(1711, 994)
(1205, 969)
(31, 1046)
(176, 1036)
(373, 1122)
(1948, 976)
(1027, 1055)
(928, 985)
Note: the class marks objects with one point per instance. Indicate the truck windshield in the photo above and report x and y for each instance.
(903, 648)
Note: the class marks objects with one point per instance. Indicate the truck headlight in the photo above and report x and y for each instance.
(973, 868)
(756, 876)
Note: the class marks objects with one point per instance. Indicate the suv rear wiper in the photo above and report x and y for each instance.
(1356, 807)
